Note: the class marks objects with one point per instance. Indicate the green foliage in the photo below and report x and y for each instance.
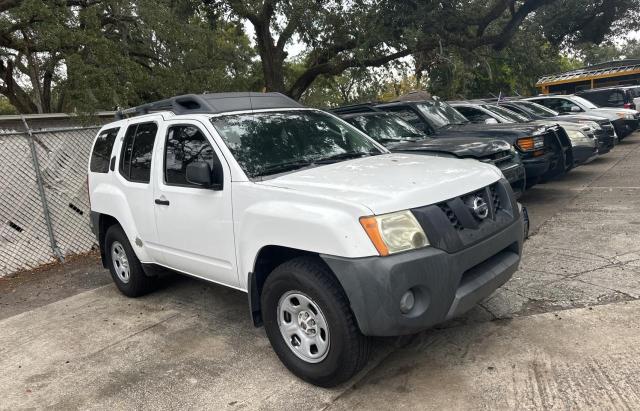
(484, 71)
(6, 107)
(116, 53)
(608, 51)
(86, 55)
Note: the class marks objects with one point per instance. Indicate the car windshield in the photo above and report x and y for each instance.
(510, 115)
(536, 109)
(386, 128)
(583, 102)
(266, 143)
(441, 114)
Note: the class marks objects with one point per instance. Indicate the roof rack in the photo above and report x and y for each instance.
(213, 103)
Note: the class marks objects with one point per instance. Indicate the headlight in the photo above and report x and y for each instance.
(530, 143)
(579, 138)
(626, 116)
(592, 124)
(394, 232)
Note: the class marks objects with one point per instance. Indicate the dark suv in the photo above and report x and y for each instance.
(545, 150)
(399, 136)
(619, 96)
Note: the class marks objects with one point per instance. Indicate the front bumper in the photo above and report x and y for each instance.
(584, 154)
(537, 166)
(515, 174)
(445, 285)
(606, 141)
(624, 127)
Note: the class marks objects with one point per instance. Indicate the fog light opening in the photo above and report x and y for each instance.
(407, 302)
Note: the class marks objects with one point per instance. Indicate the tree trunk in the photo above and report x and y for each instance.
(272, 59)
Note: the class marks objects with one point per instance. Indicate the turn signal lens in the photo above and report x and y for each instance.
(370, 225)
(530, 143)
(525, 144)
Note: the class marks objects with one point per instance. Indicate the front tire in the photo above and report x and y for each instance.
(310, 324)
(123, 264)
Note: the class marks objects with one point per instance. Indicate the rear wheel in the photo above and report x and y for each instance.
(310, 325)
(123, 264)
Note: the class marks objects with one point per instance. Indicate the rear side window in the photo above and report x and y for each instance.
(185, 145)
(137, 149)
(473, 114)
(558, 104)
(102, 150)
(598, 97)
(616, 99)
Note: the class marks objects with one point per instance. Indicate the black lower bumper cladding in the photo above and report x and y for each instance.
(445, 279)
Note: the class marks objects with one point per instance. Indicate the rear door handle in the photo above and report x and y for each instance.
(162, 202)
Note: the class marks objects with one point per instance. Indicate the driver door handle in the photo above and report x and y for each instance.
(162, 202)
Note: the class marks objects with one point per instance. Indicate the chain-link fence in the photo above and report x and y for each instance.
(44, 204)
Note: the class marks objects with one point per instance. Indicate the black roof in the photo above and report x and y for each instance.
(474, 102)
(363, 114)
(356, 108)
(213, 103)
(620, 87)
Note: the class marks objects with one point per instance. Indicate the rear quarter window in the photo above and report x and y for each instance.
(101, 153)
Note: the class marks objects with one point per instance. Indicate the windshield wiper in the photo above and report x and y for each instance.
(283, 167)
(346, 156)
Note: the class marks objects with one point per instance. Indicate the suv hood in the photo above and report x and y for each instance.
(463, 147)
(509, 132)
(610, 112)
(390, 182)
(579, 117)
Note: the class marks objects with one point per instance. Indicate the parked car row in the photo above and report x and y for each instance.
(374, 220)
(547, 143)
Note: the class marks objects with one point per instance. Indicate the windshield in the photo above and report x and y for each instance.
(583, 102)
(441, 114)
(537, 109)
(266, 143)
(510, 115)
(386, 127)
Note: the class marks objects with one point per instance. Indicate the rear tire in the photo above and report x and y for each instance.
(302, 301)
(123, 264)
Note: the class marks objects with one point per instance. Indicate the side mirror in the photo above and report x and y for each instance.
(490, 120)
(575, 109)
(199, 173)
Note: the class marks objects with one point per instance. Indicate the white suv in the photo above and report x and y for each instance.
(333, 238)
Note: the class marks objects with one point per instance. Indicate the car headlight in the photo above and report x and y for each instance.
(530, 143)
(589, 123)
(626, 116)
(579, 138)
(394, 232)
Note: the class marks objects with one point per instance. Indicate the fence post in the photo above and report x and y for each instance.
(43, 196)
